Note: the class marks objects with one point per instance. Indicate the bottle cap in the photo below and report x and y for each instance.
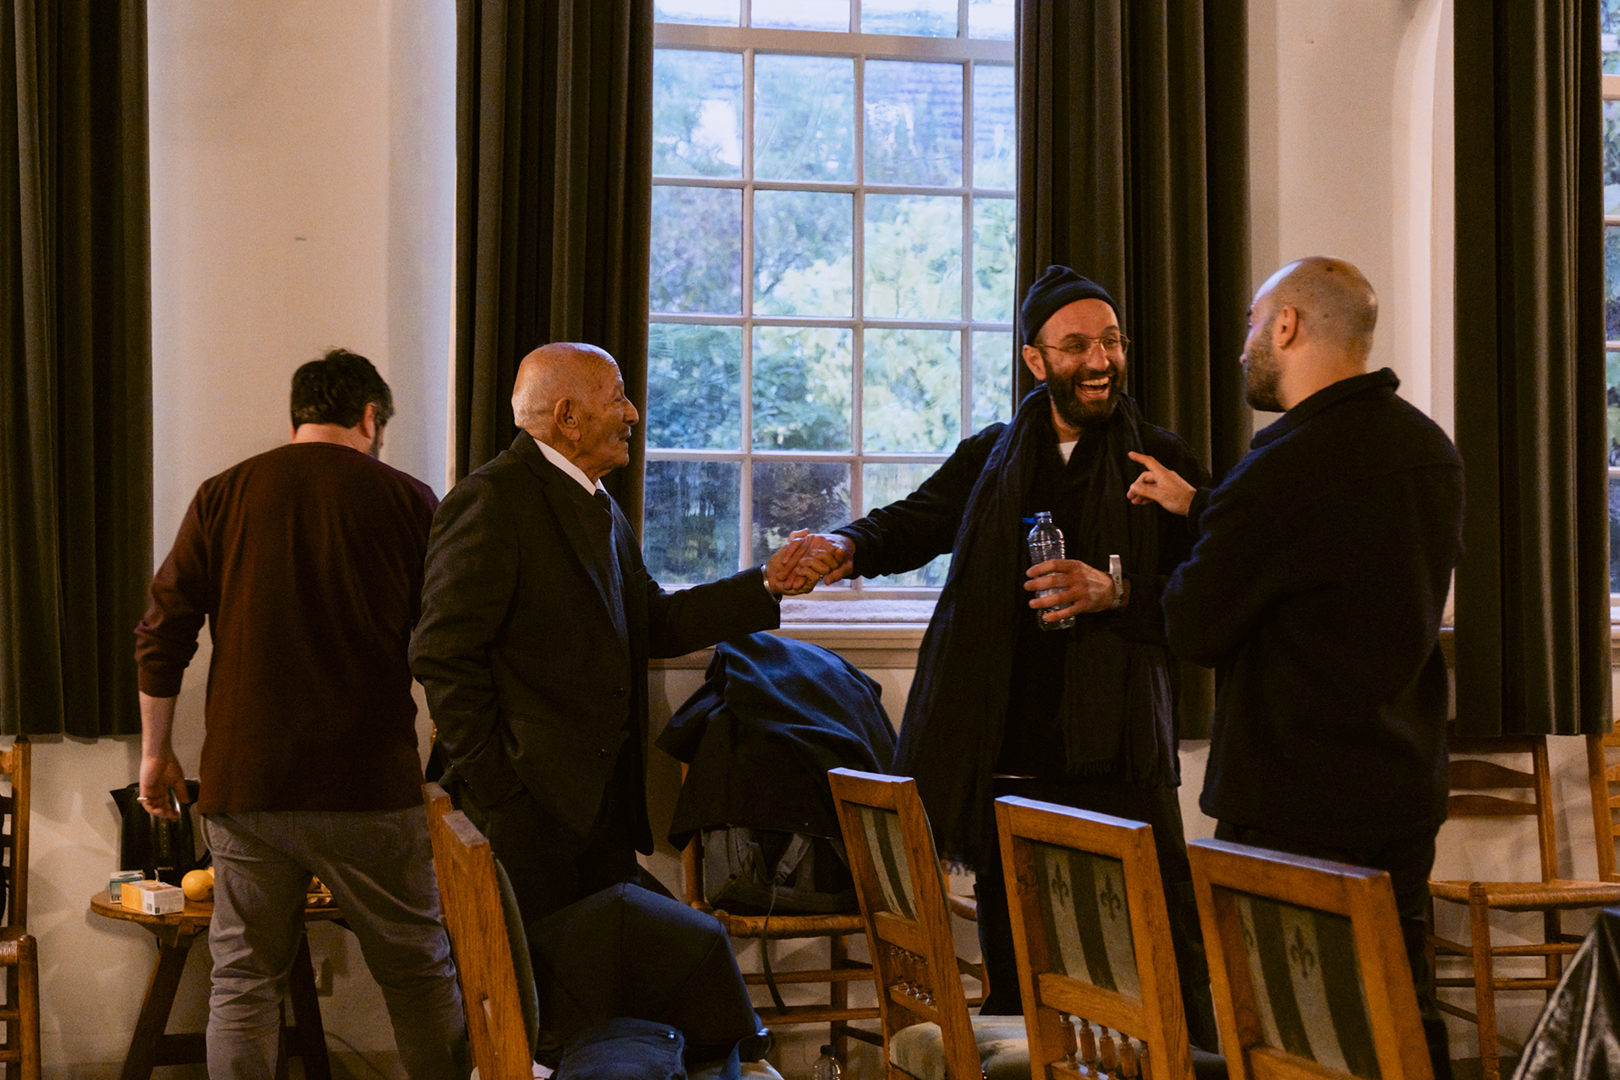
(827, 1050)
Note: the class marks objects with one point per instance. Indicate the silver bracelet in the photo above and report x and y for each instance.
(1116, 570)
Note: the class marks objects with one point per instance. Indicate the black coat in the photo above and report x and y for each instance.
(1316, 589)
(530, 673)
(760, 734)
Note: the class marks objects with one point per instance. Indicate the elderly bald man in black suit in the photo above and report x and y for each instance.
(538, 619)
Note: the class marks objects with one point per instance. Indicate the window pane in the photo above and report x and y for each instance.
(995, 259)
(1610, 27)
(991, 19)
(696, 250)
(1611, 157)
(694, 387)
(804, 380)
(1613, 396)
(697, 113)
(804, 118)
(992, 378)
(1611, 281)
(913, 123)
(995, 131)
(803, 261)
(884, 484)
(1614, 534)
(692, 528)
(802, 14)
(917, 18)
(704, 12)
(794, 495)
(911, 397)
(913, 257)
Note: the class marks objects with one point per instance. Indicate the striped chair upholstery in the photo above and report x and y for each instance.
(1307, 965)
(1092, 937)
(1302, 963)
(927, 1031)
(1085, 917)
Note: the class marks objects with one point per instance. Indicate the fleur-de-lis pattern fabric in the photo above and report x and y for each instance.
(888, 848)
(1308, 983)
(1088, 923)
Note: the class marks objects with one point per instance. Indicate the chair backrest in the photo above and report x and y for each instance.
(1308, 967)
(1482, 786)
(1093, 940)
(1604, 774)
(902, 896)
(470, 897)
(15, 764)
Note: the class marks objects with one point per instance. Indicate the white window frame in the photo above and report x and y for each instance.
(750, 42)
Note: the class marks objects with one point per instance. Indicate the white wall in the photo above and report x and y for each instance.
(302, 162)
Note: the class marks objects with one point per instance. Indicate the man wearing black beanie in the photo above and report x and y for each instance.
(1004, 701)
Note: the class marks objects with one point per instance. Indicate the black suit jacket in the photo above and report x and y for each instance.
(531, 680)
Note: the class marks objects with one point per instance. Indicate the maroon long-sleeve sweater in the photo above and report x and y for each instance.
(306, 562)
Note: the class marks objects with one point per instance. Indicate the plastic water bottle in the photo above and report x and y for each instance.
(1046, 544)
(826, 1066)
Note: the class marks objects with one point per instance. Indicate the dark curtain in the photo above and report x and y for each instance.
(1133, 170)
(553, 203)
(1532, 638)
(75, 407)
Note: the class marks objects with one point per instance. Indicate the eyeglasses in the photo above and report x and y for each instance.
(1079, 346)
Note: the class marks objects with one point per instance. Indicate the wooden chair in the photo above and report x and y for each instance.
(19, 953)
(927, 1031)
(492, 962)
(1307, 966)
(1603, 770)
(1092, 936)
(839, 973)
(1482, 788)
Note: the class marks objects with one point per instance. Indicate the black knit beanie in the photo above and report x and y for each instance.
(1057, 288)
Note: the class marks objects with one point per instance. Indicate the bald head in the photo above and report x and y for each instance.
(570, 397)
(1311, 325)
(551, 373)
(1337, 308)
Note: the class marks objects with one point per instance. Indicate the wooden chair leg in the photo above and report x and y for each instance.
(1479, 930)
(27, 1037)
(838, 995)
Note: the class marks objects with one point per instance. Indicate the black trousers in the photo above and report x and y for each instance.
(1160, 808)
(549, 866)
(1408, 861)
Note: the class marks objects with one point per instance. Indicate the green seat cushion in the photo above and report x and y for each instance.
(918, 1051)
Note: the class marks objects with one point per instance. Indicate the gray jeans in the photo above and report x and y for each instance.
(379, 866)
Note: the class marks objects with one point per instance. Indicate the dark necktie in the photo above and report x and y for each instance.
(615, 584)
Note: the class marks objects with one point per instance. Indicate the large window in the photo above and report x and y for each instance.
(832, 264)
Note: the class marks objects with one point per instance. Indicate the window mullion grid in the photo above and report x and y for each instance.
(745, 511)
(966, 353)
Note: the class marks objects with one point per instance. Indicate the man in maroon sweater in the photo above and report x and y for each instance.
(306, 562)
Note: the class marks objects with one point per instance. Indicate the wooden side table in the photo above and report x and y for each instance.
(152, 1045)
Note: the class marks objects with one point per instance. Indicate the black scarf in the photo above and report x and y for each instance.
(1116, 712)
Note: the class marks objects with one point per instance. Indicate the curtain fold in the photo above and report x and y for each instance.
(1532, 591)
(553, 214)
(1133, 170)
(75, 404)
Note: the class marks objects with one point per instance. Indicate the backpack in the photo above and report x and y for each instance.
(752, 871)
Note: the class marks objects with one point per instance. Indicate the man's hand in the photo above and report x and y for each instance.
(782, 574)
(1084, 589)
(1158, 484)
(160, 775)
(828, 558)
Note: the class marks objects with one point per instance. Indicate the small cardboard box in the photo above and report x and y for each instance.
(154, 898)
